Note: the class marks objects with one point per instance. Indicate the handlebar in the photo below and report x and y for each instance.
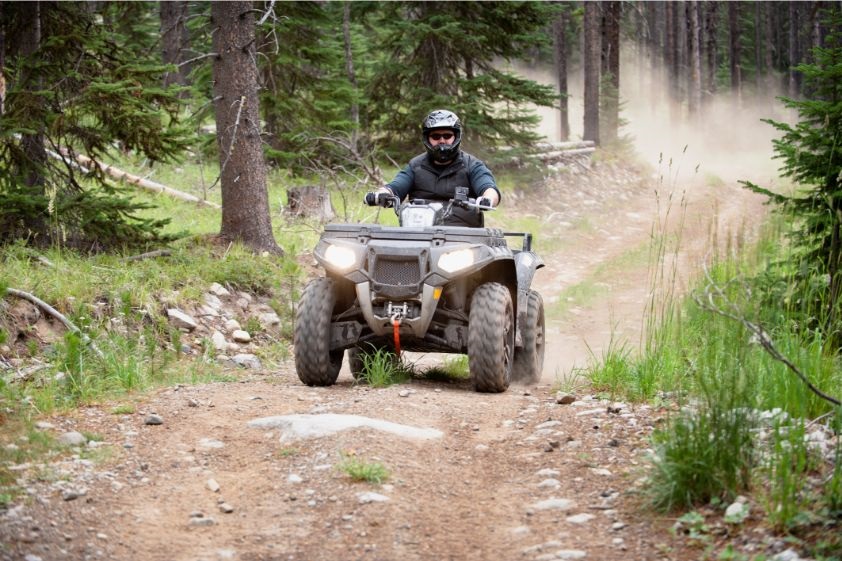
(460, 200)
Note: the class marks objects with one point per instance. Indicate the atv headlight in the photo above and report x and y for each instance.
(340, 257)
(456, 260)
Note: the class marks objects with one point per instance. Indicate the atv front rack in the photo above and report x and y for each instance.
(527, 239)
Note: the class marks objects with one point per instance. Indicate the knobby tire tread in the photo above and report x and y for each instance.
(315, 364)
(491, 338)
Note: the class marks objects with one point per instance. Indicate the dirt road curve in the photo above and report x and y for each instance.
(513, 476)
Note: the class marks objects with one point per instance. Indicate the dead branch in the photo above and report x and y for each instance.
(713, 293)
(56, 314)
(242, 102)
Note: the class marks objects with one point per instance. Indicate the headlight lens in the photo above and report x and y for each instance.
(340, 257)
(456, 260)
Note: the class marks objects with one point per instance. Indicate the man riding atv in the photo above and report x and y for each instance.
(438, 282)
(435, 174)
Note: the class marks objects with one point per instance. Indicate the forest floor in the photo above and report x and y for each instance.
(506, 476)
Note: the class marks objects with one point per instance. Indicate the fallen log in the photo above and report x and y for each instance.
(121, 175)
(564, 146)
(562, 154)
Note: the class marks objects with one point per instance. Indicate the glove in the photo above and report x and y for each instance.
(484, 202)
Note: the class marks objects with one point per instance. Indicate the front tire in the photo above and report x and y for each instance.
(315, 363)
(491, 338)
(529, 361)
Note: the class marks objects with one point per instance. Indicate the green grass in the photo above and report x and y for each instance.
(123, 409)
(453, 369)
(382, 369)
(361, 470)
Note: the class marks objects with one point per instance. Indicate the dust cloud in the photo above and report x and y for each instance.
(702, 160)
(729, 142)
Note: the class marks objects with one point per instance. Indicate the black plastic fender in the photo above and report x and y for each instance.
(526, 263)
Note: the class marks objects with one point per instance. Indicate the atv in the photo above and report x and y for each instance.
(422, 286)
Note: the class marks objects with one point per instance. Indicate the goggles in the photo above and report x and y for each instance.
(441, 135)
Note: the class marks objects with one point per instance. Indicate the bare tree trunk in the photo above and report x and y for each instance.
(560, 44)
(610, 66)
(758, 44)
(734, 47)
(768, 50)
(711, 25)
(28, 41)
(682, 39)
(592, 64)
(670, 62)
(792, 83)
(654, 11)
(245, 201)
(175, 40)
(349, 70)
(695, 97)
(2, 63)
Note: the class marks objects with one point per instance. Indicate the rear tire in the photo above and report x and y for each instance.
(529, 360)
(491, 338)
(356, 363)
(315, 363)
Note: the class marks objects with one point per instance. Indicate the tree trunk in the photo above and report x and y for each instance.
(2, 62)
(768, 50)
(695, 97)
(669, 49)
(734, 47)
(682, 56)
(711, 26)
(245, 201)
(655, 17)
(792, 83)
(610, 82)
(591, 63)
(352, 76)
(28, 41)
(560, 51)
(175, 41)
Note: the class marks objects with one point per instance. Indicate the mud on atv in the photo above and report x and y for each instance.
(426, 287)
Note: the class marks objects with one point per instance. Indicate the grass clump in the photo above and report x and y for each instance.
(360, 470)
(381, 369)
(453, 369)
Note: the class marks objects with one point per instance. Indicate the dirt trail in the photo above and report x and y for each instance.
(513, 476)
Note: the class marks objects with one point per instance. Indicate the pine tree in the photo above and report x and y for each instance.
(811, 154)
(76, 85)
(444, 55)
(306, 92)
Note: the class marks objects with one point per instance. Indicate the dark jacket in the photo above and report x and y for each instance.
(426, 180)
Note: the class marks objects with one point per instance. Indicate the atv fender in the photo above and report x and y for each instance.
(526, 263)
